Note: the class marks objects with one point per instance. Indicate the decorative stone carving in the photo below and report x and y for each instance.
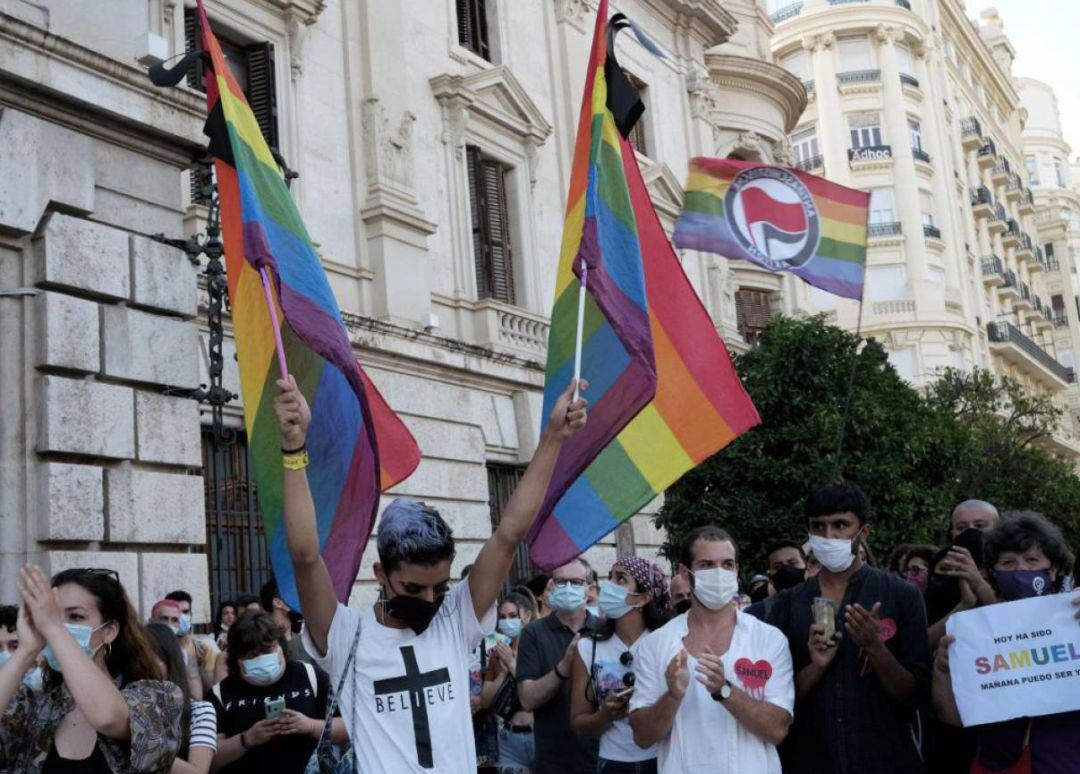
(297, 31)
(388, 151)
(575, 12)
(884, 34)
(704, 96)
(828, 40)
(781, 152)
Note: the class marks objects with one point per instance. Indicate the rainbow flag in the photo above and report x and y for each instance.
(601, 233)
(699, 404)
(779, 218)
(350, 422)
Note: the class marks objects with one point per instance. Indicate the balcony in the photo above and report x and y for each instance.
(1009, 287)
(1013, 345)
(982, 202)
(858, 76)
(997, 220)
(920, 155)
(909, 80)
(1025, 251)
(1023, 299)
(1027, 202)
(987, 155)
(1001, 171)
(1059, 318)
(787, 12)
(883, 230)
(811, 164)
(1052, 264)
(1014, 189)
(903, 4)
(993, 271)
(1011, 237)
(971, 133)
(509, 329)
(932, 232)
(869, 154)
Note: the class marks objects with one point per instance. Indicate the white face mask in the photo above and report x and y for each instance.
(715, 587)
(834, 554)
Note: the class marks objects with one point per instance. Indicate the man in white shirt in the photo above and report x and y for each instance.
(407, 709)
(737, 708)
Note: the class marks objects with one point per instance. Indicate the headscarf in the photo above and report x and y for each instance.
(649, 576)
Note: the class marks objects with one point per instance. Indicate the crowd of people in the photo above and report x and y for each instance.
(826, 664)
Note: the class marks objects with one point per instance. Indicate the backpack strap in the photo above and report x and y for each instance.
(311, 678)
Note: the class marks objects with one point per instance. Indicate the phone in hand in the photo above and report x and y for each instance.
(274, 707)
(495, 638)
(624, 692)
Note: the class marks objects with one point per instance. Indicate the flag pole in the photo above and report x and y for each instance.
(850, 391)
(274, 325)
(580, 328)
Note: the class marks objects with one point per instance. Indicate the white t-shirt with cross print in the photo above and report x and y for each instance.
(408, 708)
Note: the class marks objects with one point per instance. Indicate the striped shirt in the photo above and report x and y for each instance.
(203, 725)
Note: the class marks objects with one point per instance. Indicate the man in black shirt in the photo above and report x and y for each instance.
(546, 653)
(854, 694)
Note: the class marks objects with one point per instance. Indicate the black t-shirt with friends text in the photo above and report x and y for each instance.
(240, 705)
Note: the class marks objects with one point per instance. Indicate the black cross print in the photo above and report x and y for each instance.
(414, 682)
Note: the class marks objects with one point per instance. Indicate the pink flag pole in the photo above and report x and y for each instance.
(274, 325)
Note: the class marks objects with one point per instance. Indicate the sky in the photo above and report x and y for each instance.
(1044, 34)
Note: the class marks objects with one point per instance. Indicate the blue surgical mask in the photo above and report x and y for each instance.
(567, 598)
(511, 627)
(185, 625)
(1023, 584)
(82, 635)
(612, 600)
(4, 658)
(263, 670)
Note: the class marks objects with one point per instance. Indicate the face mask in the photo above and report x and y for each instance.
(414, 612)
(917, 578)
(34, 680)
(715, 587)
(567, 598)
(263, 670)
(682, 606)
(787, 577)
(1023, 584)
(612, 600)
(185, 625)
(511, 627)
(834, 553)
(82, 635)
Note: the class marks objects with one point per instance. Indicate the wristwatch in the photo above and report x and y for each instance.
(724, 692)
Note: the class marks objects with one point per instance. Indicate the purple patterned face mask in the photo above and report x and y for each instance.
(1023, 584)
(917, 578)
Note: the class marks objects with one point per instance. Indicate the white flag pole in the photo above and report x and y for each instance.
(580, 328)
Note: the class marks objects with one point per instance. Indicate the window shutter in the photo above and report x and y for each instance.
(464, 25)
(193, 41)
(262, 91)
(472, 26)
(498, 232)
(476, 207)
(753, 312)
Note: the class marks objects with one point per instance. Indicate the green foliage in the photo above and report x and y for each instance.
(915, 455)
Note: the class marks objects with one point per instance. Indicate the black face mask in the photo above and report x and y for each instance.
(787, 577)
(682, 606)
(414, 612)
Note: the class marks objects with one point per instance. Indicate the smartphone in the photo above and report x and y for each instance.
(274, 708)
(824, 612)
(491, 640)
(624, 692)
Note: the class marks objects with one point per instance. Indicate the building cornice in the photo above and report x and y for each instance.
(708, 20)
(67, 83)
(953, 17)
(833, 21)
(740, 73)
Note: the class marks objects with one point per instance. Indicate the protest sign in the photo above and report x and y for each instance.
(1015, 659)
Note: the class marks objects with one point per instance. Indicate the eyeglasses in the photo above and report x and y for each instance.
(575, 582)
(95, 571)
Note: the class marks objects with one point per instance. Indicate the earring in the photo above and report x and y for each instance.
(108, 650)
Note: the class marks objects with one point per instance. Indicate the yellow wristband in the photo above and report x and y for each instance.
(297, 461)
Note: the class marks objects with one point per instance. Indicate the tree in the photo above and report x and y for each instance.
(916, 455)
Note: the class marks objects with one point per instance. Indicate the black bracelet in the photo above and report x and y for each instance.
(293, 451)
(555, 669)
(243, 741)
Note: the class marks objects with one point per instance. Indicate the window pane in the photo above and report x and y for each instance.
(886, 283)
(796, 63)
(854, 54)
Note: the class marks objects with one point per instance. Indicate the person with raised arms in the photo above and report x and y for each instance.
(406, 703)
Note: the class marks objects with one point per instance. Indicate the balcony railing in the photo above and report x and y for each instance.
(971, 126)
(988, 149)
(999, 212)
(1059, 318)
(787, 12)
(1002, 167)
(931, 231)
(1010, 279)
(903, 4)
(859, 76)
(920, 155)
(991, 265)
(909, 80)
(809, 86)
(1025, 292)
(982, 195)
(892, 228)
(1002, 332)
(812, 163)
(1052, 264)
(1012, 227)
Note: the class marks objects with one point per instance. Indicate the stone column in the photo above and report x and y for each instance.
(905, 181)
(832, 133)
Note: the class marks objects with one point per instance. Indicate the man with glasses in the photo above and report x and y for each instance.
(545, 657)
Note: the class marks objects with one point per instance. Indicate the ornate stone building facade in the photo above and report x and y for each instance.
(916, 103)
(433, 142)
